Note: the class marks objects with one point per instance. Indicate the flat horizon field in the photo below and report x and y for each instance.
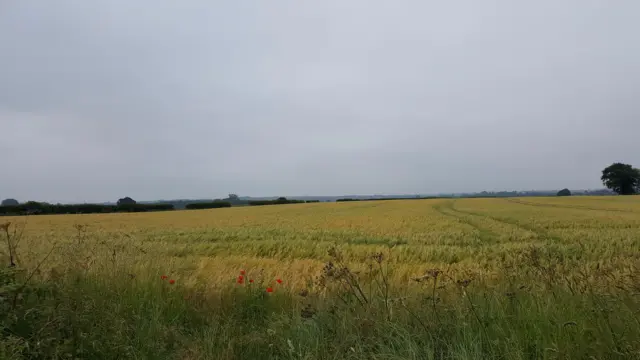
(508, 278)
(466, 237)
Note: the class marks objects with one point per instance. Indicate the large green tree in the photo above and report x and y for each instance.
(624, 179)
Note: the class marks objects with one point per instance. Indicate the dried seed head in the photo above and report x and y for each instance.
(378, 257)
(334, 253)
(328, 269)
(433, 272)
(5, 226)
(307, 312)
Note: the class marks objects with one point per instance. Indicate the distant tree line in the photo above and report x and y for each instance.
(394, 198)
(279, 201)
(41, 208)
(208, 205)
(620, 178)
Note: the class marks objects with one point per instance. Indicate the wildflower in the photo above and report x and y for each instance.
(242, 272)
(279, 281)
(251, 281)
(269, 290)
(240, 279)
(172, 281)
(164, 277)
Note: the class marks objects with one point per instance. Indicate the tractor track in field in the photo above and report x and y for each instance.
(575, 207)
(540, 233)
(463, 218)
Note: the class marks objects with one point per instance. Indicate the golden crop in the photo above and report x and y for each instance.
(485, 238)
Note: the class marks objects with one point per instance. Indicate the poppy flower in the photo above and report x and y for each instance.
(279, 281)
(269, 290)
(242, 272)
(240, 277)
(240, 280)
(172, 281)
(164, 277)
(251, 281)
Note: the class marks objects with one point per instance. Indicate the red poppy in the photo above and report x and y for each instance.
(251, 281)
(269, 290)
(172, 281)
(242, 272)
(279, 281)
(164, 277)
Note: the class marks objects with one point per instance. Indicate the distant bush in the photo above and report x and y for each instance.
(208, 205)
(10, 202)
(312, 201)
(347, 199)
(564, 192)
(126, 201)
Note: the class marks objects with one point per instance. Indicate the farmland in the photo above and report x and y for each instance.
(562, 258)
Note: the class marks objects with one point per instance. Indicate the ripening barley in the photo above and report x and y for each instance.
(464, 236)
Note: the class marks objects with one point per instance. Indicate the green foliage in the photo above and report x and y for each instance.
(624, 179)
(209, 205)
(564, 192)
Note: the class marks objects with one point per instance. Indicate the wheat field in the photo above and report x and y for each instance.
(511, 278)
(479, 238)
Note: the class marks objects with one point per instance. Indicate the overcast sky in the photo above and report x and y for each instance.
(189, 99)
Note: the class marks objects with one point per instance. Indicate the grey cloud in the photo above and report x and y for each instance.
(165, 99)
